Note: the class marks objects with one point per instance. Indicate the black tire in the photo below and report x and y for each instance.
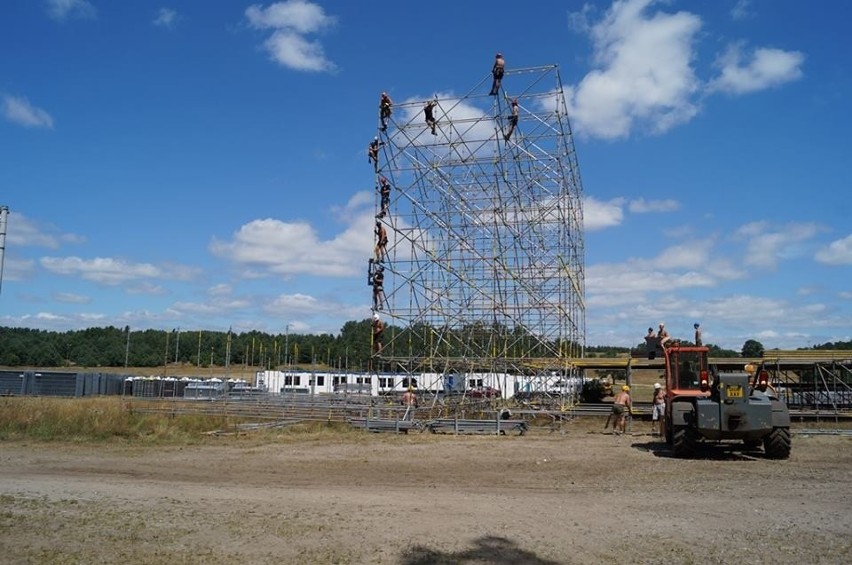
(777, 444)
(683, 442)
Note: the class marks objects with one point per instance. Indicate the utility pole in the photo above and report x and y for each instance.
(166, 355)
(4, 213)
(287, 347)
(177, 345)
(127, 346)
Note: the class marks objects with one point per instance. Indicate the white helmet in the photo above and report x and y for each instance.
(375, 316)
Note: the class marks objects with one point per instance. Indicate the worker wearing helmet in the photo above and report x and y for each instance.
(621, 407)
(378, 331)
(497, 73)
(373, 152)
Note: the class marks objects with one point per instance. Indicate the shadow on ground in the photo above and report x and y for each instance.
(705, 451)
(489, 549)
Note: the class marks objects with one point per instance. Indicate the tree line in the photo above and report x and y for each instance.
(349, 350)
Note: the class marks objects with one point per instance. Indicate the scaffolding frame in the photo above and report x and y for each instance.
(484, 265)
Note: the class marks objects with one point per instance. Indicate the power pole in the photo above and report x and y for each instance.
(127, 346)
(4, 213)
(177, 345)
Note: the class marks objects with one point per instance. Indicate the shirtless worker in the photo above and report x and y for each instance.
(622, 404)
(381, 241)
(662, 334)
(513, 120)
(378, 331)
(409, 400)
(497, 73)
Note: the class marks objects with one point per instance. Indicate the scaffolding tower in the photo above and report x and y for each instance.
(483, 266)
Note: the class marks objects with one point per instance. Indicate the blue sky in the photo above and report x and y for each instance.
(202, 164)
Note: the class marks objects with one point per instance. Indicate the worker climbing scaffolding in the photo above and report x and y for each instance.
(471, 205)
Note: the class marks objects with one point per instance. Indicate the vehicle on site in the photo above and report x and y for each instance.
(703, 404)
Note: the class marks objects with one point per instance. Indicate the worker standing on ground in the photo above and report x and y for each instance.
(621, 407)
(430, 117)
(497, 73)
(513, 120)
(658, 410)
(409, 400)
(385, 109)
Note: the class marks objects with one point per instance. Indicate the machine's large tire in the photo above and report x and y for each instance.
(777, 444)
(683, 441)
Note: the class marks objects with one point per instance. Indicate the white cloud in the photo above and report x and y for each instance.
(689, 255)
(20, 111)
(767, 245)
(644, 75)
(270, 246)
(209, 309)
(292, 21)
(741, 10)
(166, 17)
(598, 215)
(458, 121)
(765, 68)
(641, 206)
(838, 252)
(147, 288)
(110, 271)
(71, 298)
(221, 289)
(22, 232)
(606, 282)
(18, 269)
(61, 9)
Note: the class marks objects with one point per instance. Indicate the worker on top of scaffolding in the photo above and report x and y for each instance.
(384, 193)
(497, 73)
(513, 120)
(430, 117)
(381, 241)
(373, 152)
(385, 109)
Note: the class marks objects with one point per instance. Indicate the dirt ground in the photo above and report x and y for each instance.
(575, 496)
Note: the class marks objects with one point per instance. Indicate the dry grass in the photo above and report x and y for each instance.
(95, 419)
